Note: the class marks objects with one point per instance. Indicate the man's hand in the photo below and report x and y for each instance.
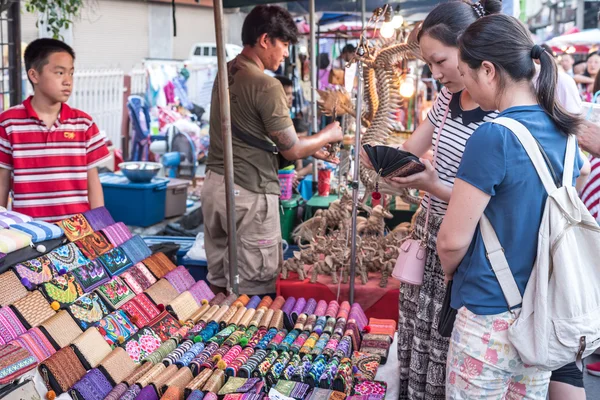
(333, 132)
(426, 180)
(326, 156)
(589, 138)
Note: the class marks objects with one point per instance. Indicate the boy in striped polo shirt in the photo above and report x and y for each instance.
(49, 149)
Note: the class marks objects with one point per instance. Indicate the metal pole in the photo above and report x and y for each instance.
(363, 13)
(355, 178)
(227, 149)
(14, 53)
(313, 80)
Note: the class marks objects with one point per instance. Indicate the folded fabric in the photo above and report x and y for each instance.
(139, 372)
(116, 327)
(91, 348)
(13, 240)
(117, 233)
(136, 249)
(138, 278)
(93, 386)
(377, 344)
(88, 310)
(296, 390)
(165, 325)
(142, 344)
(14, 362)
(325, 394)
(370, 387)
(35, 272)
(11, 288)
(141, 310)
(76, 227)
(67, 258)
(99, 218)
(61, 329)
(36, 343)
(9, 218)
(366, 365)
(33, 309)
(10, 325)
(115, 261)
(91, 275)
(61, 371)
(62, 291)
(180, 278)
(115, 292)
(39, 230)
(159, 264)
(94, 245)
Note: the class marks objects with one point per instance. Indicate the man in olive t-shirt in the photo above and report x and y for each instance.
(258, 109)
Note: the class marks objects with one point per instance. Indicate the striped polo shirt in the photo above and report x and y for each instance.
(49, 165)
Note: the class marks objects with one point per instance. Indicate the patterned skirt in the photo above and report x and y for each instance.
(422, 351)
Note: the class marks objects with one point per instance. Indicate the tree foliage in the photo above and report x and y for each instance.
(55, 14)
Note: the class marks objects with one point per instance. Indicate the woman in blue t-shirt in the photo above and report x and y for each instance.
(497, 177)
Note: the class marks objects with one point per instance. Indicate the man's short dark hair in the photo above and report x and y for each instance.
(300, 126)
(275, 21)
(285, 81)
(349, 48)
(37, 52)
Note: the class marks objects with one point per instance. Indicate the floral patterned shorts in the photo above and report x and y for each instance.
(482, 364)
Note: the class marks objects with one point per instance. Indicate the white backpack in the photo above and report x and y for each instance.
(560, 316)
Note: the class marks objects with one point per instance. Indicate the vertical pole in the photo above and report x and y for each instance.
(363, 13)
(14, 53)
(227, 147)
(355, 178)
(580, 14)
(313, 80)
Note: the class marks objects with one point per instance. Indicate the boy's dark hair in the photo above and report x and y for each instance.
(349, 48)
(37, 53)
(300, 126)
(275, 21)
(285, 81)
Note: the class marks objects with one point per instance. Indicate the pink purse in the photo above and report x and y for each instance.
(410, 264)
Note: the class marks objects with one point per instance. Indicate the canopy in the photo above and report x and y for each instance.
(588, 37)
(407, 7)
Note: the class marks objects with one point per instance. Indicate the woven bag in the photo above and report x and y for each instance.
(93, 386)
(180, 278)
(14, 362)
(139, 372)
(167, 374)
(159, 354)
(117, 366)
(76, 227)
(199, 381)
(62, 370)
(141, 310)
(33, 309)
(94, 245)
(162, 292)
(11, 288)
(99, 218)
(117, 392)
(172, 393)
(10, 325)
(91, 348)
(151, 375)
(35, 272)
(117, 233)
(36, 343)
(159, 264)
(183, 306)
(138, 278)
(61, 329)
(180, 379)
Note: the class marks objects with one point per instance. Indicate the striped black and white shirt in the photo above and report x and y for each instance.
(459, 127)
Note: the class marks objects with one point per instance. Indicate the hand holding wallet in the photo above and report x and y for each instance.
(390, 162)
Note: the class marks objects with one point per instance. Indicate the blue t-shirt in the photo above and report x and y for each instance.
(495, 162)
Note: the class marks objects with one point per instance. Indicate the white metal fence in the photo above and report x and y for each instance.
(139, 81)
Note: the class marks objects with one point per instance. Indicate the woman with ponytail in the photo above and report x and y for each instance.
(496, 177)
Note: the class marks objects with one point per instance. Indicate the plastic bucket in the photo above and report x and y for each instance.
(286, 183)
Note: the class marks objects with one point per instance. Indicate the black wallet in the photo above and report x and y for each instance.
(390, 162)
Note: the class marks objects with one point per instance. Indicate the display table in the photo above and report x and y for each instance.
(318, 202)
(377, 302)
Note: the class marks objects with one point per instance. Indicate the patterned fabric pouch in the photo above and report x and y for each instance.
(61, 329)
(10, 326)
(93, 386)
(33, 309)
(115, 261)
(141, 310)
(162, 292)
(295, 390)
(13, 240)
(180, 278)
(242, 385)
(378, 344)
(91, 275)
(142, 344)
(62, 291)
(76, 227)
(117, 233)
(22, 391)
(11, 288)
(116, 327)
(35, 272)
(325, 394)
(39, 230)
(88, 310)
(370, 387)
(61, 371)
(115, 292)
(201, 291)
(165, 326)
(14, 362)
(8, 218)
(138, 278)
(91, 348)
(36, 343)
(366, 365)
(99, 218)
(67, 258)
(159, 264)
(117, 366)
(136, 249)
(94, 245)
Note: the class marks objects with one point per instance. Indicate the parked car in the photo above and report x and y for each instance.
(206, 53)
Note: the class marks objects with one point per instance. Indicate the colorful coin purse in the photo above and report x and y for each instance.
(35, 272)
(159, 264)
(76, 227)
(39, 230)
(180, 278)
(138, 278)
(36, 342)
(115, 292)
(14, 362)
(66, 258)
(165, 326)
(91, 275)
(61, 329)
(117, 366)
(62, 370)
(91, 348)
(99, 218)
(93, 386)
(117, 233)
(116, 327)
(142, 344)
(115, 261)
(10, 325)
(94, 245)
(11, 288)
(88, 310)
(141, 310)
(62, 291)
(136, 249)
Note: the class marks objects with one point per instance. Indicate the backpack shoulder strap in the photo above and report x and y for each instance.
(495, 253)
(534, 153)
(569, 161)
